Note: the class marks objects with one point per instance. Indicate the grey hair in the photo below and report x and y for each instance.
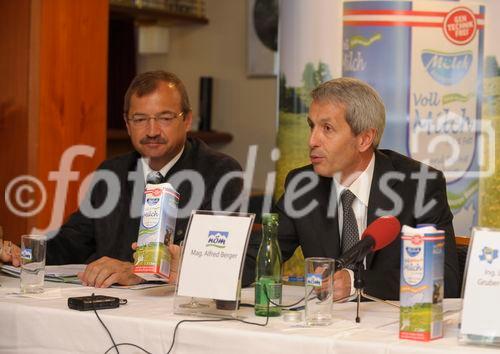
(364, 108)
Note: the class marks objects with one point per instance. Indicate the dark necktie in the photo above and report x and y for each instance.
(350, 235)
(154, 177)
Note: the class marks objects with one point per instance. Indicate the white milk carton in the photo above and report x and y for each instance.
(422, 283)
(156, 231)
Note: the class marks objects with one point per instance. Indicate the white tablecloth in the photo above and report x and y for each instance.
(44, 324)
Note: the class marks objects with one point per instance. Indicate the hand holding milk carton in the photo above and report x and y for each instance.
(156, 231)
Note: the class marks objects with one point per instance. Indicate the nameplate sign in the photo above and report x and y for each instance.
(213, 255)
(481, 313)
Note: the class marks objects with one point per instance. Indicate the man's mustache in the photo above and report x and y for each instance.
(155, 140)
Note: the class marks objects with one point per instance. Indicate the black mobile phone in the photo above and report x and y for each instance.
(98, 302)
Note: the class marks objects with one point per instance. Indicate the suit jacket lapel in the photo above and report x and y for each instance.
(325, 221)
(181, 163)
(377, 199)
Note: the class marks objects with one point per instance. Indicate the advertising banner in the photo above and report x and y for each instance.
(425, 58)
(309, 45)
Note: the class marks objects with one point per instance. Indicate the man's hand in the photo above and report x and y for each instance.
(175, 252)
(108, 271)
(341, 285)
(10, 254)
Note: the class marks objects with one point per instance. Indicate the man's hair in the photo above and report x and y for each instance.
(364, 108)
(146, 83)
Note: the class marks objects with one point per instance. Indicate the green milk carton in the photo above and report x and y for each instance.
(422, 283)
(156, 231)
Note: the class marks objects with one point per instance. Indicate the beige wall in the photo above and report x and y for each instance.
(245, 107)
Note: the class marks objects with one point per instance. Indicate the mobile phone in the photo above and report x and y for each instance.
(98, 302)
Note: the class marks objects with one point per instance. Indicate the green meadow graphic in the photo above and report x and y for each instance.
(150, 254)
(419, 317)
(489, 190)
(457, 201)
(293, 134)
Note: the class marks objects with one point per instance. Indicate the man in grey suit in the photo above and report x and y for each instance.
(349, 183)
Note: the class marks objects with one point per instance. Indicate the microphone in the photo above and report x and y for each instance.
(377, 235)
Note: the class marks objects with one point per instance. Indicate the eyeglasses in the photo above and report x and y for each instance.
(163, 118)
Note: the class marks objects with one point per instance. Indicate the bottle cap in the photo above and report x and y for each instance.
(268, 218)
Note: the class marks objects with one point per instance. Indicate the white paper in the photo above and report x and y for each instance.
(67, 270)
(212, 257)
(481, 314)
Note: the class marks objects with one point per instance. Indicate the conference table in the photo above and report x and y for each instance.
(43, 323)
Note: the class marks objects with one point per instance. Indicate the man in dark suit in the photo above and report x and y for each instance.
(328, 204)
(158, 116)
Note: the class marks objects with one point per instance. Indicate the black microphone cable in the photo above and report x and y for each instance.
(286, 307)
(269, 301)
(220, 320)
(115, 345)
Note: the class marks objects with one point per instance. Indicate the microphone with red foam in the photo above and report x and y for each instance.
(377, 235)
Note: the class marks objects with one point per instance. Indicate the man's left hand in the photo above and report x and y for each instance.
(108, 271)
(341, 284)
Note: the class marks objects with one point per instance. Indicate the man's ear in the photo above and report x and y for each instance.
(126, 123)
(188, 120)
(366, 139)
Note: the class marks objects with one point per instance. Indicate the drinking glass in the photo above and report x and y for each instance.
(319, 290)
(33, 250)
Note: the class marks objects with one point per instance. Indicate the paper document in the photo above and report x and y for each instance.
(60, 273)
(67, 274)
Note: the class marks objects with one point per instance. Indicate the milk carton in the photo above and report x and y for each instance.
(422, 283)
(156, 231)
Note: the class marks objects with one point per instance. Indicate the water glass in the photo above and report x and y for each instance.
(319, 290)
(33, 249)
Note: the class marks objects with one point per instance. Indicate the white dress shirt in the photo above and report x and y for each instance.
(360, 187)
(164, 170)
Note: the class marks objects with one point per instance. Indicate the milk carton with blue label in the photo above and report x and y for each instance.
(422, 283)
(156, 231)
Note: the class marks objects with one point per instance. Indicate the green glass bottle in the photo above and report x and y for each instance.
(268, 271)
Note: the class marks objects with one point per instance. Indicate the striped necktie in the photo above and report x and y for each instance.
(350, 234)
(154, 177)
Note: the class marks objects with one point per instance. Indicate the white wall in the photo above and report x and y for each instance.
(245, 107)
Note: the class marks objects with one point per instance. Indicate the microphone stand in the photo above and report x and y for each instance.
(359, 285)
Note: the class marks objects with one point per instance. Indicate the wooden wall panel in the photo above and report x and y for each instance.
(53, 66)
(73, 76)
(14, 64)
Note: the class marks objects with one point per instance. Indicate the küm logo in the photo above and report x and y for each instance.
(217, 239)
(447, 68)
(488, 255)
(413, 251)
(26, 254)
(153, 201)
(313, 279)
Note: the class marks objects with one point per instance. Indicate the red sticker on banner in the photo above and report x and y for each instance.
(460, 25)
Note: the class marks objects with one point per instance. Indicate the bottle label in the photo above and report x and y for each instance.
(267, 289)
(313, 279)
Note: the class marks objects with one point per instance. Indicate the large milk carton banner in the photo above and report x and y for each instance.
(425, 59)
